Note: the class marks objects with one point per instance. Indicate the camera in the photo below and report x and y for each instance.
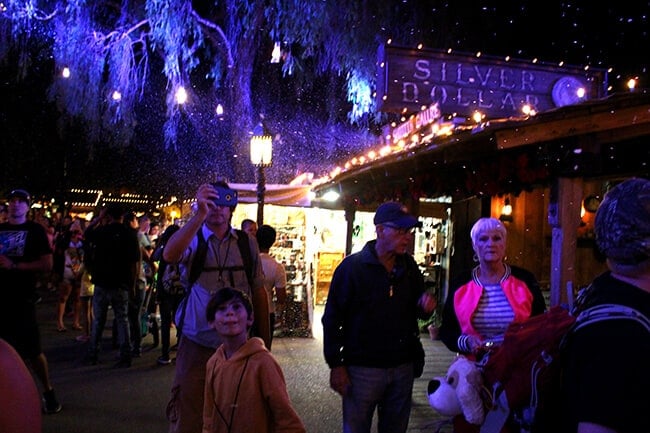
(226, 196)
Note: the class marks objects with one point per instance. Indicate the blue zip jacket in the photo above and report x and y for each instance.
(370, 317)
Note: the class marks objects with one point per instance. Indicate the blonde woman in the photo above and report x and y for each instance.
(481, 306)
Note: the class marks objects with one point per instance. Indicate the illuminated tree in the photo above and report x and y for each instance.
(127, 59)
(106, 55)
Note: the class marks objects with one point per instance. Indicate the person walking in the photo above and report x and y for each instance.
(245, 390)
(137, 300)
(595, 401)
(114, 274)
(371, 337)
(24, 252)
(275, 277)
(225, 264)
(169, 293)
(70, 283)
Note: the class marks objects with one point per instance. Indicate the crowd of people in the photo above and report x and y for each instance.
(232, 293)
(78, 262)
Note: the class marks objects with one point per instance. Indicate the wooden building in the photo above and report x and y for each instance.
(549, 167)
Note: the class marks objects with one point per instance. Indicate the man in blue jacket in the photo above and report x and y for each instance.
(371, 336)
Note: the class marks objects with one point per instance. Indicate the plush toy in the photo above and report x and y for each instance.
(459, 392)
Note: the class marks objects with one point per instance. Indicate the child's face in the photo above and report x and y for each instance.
(231, 319)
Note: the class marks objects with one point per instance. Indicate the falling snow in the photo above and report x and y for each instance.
(310, 133)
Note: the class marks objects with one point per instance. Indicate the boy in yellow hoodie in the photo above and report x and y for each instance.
(245, 390)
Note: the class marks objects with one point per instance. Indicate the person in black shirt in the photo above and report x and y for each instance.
(24, 252)
(607, 376)
(116, 258)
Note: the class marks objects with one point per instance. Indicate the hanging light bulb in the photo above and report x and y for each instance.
(276, 53)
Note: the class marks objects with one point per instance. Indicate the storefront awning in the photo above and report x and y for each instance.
(281, 195)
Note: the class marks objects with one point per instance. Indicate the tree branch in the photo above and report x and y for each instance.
(218, 29)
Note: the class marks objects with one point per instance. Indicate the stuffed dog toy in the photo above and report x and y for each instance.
(459, 392)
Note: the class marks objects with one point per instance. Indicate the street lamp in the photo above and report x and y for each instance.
(261, 153)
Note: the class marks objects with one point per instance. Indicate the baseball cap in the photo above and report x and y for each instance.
(622, 222)
(20, 194)
(395, 214)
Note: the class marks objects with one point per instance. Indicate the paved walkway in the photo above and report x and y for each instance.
(99, 399)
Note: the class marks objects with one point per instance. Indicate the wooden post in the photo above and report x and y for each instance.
(564, 219)
(350, 211)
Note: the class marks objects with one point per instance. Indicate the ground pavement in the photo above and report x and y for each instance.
(100, 399)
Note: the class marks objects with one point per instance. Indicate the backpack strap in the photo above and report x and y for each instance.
(245, 251)
(602, 312)
(196, 267)
(198, 262)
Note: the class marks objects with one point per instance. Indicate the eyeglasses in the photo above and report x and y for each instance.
(401, 231)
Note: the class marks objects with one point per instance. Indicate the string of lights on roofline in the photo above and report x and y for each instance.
(99, 197)
(405, 136)
(395, 143)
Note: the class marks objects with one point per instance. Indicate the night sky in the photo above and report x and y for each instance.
(579, 33)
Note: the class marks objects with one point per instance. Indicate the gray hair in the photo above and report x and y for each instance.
(486, 224)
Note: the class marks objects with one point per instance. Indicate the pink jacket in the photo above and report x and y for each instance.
(466, 300)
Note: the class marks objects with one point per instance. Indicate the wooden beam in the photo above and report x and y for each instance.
(586, 123)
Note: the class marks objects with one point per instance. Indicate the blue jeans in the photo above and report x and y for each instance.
(118, 298)
(389, 390)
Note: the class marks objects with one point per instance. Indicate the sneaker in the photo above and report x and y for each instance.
(164, 360)
(50, 403)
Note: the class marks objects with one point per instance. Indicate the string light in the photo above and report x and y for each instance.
(181, 95)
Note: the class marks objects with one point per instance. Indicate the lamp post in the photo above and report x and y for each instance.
(261, 153)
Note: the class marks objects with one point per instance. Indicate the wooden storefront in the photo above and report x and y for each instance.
(545, 165)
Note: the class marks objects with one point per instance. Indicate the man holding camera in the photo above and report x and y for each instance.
(223, 267)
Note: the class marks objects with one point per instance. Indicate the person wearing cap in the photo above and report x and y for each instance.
(371, 337)
(24, 252)
(224, 266)
(607, 373)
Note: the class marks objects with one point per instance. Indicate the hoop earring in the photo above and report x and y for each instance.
(475, 258)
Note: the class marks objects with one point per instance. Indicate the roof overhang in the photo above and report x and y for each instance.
(607, 136)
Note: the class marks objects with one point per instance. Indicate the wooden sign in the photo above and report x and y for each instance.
(410, 80)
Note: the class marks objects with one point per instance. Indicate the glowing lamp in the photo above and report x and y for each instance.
(261, 154)
(506, 211)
